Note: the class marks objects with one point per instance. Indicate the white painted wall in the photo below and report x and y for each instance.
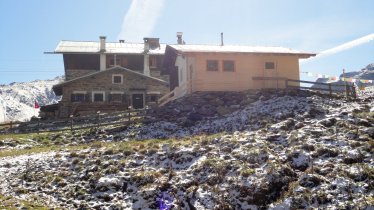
(146, 69)
(181, 63)
(102, 61)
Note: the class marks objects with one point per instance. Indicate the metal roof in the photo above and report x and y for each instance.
(238, 49)
(111, 47)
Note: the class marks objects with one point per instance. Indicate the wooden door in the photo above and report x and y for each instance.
(270, 71)
(138, 101)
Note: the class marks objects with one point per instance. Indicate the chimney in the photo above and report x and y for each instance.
(149, 44)
(221, 38)
(102, 43)
(179, 35)
(146, 70)
(102, 53)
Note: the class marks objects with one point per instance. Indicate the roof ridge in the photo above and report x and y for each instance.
(227, 45)
(110, 42)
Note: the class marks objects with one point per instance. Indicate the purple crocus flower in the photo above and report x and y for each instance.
(165, 201)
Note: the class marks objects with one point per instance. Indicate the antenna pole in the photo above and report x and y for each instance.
(221, 38)
(346, 84)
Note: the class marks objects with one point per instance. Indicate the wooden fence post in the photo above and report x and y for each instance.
(354, 94)
(71, 123)
(129, 114)
(38, 125)
(98, 119)
(348, 90)
(346, 84)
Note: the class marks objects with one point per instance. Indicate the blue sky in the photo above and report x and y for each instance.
(29, 28)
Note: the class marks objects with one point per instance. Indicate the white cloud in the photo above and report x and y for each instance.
(140, 19)
(343, 47)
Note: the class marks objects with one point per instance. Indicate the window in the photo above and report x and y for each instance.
(152, 62)
(98, 96)
(212, 65)
(78, 96)
(269, 65)
(228, 65)
(116, 96)
(153, 96)
(117, 78)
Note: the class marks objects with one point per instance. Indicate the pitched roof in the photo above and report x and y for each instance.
(111, 47)
(239, 49)
(57, 88)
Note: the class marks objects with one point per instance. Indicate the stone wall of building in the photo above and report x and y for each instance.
(75, 73)
(133, 83)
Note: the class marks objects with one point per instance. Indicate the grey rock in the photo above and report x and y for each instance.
(328, 122)
(310, 181)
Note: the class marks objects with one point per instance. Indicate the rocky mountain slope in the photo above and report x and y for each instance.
(274, 150)
(366, 73)
(18, 98)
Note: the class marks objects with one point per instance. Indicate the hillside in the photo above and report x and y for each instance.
(19, 98)
(366, 73)
(276, 150)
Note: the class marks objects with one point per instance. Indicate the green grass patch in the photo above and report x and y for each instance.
(365, 115)
(42, 138)
(10, 203)
(246, 172)
(41, 149)
(125, 147)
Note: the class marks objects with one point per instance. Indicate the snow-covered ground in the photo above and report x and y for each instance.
(19, 98)
(286, 152)
(2, 110)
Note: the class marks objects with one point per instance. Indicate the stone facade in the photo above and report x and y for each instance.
(134, 88)
(75, 73)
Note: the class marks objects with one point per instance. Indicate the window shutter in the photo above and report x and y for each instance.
(109, 97)
(72, 97)
(87, 97)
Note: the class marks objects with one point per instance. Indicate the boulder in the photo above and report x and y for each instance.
(299, 160)
(328, 122)
(194, 116)
(369, 131)
(364, 122)
(353, 156)
(273, 137)
(107, 182)
(310, 180)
